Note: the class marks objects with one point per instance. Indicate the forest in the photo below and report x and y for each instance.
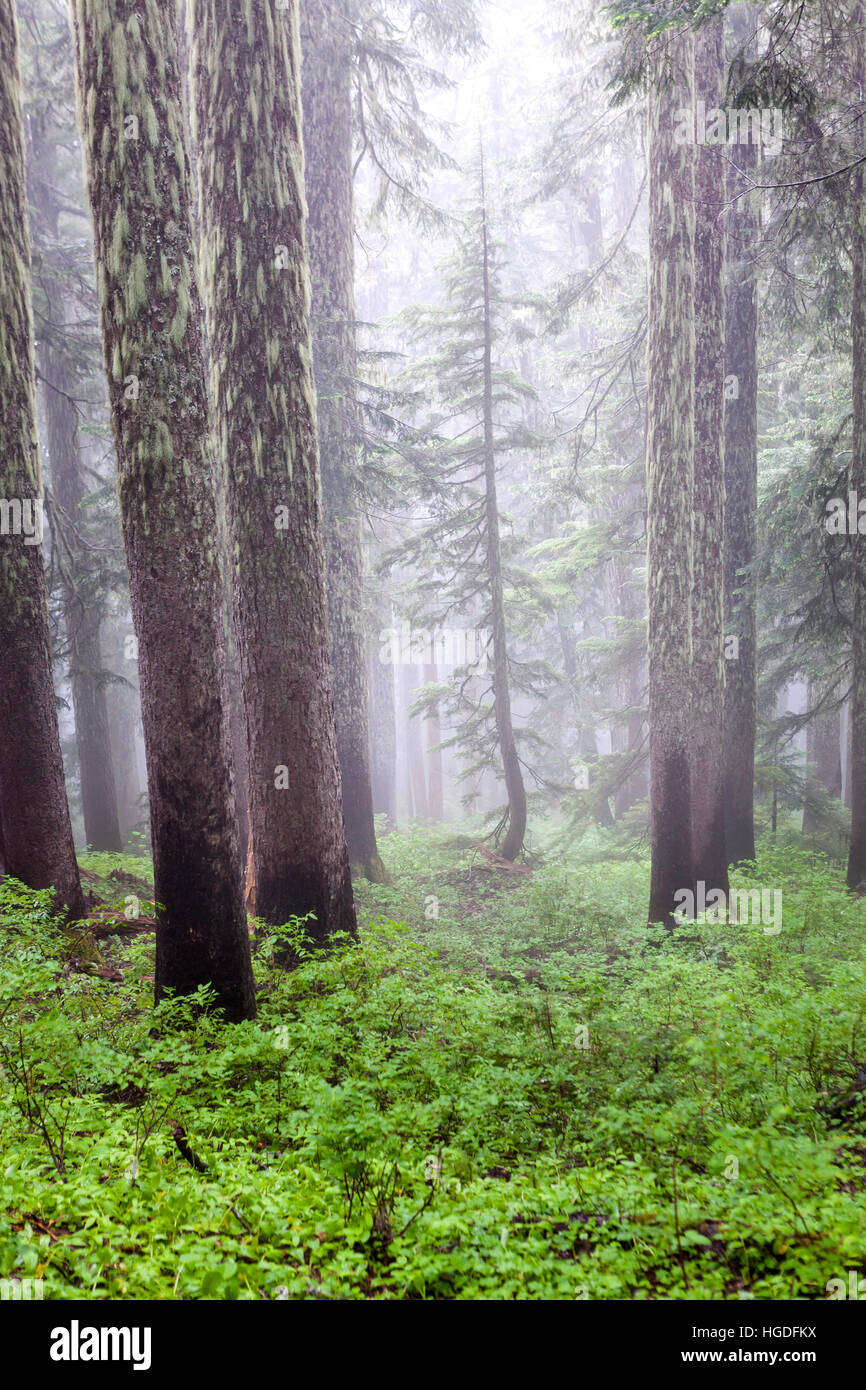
(433, 653)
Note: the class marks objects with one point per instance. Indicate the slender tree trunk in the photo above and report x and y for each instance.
(433, 726)
(383, 730)
(516, 832)
(327, 106)
(132, 133)
(857, 849)
(80, 606)
(123, 717)
(82, 601)
(257, 297)
(823, 758)
(846, 734)
(709, 856)
(670, 450)
(38, 846)
(741, 496)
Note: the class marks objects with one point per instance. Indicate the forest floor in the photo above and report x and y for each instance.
(510, 1088)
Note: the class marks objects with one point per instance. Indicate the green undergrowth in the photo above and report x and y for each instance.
(509, 1088)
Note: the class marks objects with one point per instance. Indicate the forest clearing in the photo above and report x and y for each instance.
(433, 664)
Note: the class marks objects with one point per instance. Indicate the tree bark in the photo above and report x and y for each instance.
(137, 174)
(741, 500)
(857, 848)
(670, 475)
(709, 856)
(327, 110)
(823, 757)
(433, 727)
(38, 847)
(256, 288)
(516, 832)
(383, 728)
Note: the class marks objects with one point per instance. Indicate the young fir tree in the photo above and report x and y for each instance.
(670, 465)
(138, 184)
(476, 420)
(255, 277)
(37, 834)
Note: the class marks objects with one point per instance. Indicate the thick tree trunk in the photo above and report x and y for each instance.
(327, 107)
(256, 287)
(857, 849)
(516, 832)
(38, 845)
(670, 449)
(132, 133)
(741, 497)
(709, 856)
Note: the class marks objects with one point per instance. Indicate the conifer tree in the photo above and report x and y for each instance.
(138, 184)
(37, 839)
(709, 857)
(327, 42)
(477, 400)
(670, 465)
(256, 289)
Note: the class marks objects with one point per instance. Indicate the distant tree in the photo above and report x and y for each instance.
(255, 277)
(81, 580)
(470, 394)
(138, 183)
(37, 833)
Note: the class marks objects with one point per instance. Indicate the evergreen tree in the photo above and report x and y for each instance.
(255, 276)
(709, 858)
(138, 184)
(37, 839)
(81, 580)
(475, 421)
(327, 36)
(670, 465)
(741, 473)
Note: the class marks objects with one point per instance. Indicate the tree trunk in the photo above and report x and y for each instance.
(823, 758)
(741, 496)
(255, 278)
(383, 730)
(327, 110)
(37, 832)
(132, 133)
(513, 842)
(670, 449)
(709, 856)
(857, 849)
(433, 726)
(80, 605)
(82, 599)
